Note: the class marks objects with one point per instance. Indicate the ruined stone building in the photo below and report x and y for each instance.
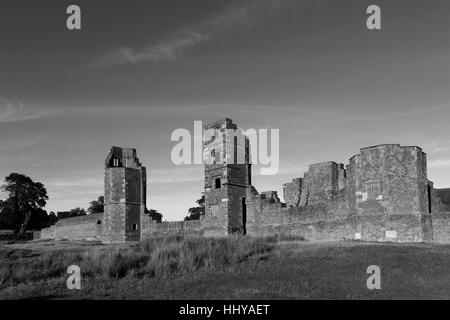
(125, 192)
(382, 194)
(125, 196)
(226, 180)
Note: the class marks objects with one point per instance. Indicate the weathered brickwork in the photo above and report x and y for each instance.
(383, 194)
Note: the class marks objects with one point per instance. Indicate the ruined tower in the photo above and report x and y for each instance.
(389, 193)
(227, 175)
(125, 195)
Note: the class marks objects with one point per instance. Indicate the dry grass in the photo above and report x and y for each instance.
(231, 268)
(152, 258)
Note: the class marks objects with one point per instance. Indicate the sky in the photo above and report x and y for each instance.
(138, 70)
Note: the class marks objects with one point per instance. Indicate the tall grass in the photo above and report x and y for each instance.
(174, 255)
(154, 257)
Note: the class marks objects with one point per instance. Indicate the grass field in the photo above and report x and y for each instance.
(231, 268)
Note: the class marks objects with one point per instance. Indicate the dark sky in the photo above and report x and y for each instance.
(137, 70)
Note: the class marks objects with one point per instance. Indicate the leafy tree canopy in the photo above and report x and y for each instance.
(97, 206)
(154, 214)
(23, 207)
(196, 212)
(72, 213)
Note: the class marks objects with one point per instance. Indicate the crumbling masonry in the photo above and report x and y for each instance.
(383, 194)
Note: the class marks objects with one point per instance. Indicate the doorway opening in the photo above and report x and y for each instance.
(244, 216)
(429, 199)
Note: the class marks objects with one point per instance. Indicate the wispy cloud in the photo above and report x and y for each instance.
(435, 147)
(164, 51)
(15, 111)
(21, 144)
(439, 163)
(232, 17)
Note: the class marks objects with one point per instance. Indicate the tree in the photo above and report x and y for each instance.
(196, 212)
(72, 213)
(25, 198)
(97, 206)
(154, 214)
(7, 218)
(52, 218)
(39, 220)
(77, 212)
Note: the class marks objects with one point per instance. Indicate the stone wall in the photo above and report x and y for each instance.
(388, 192)
(152, 228)
(292, 192)
(332, 222)
(441, 227)
(322, 183)
(87, 227)
(385, 179)
(383, 195)
(440, 214)
(318, 222)
(46, 233)
(394, 227)
(444, 199)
